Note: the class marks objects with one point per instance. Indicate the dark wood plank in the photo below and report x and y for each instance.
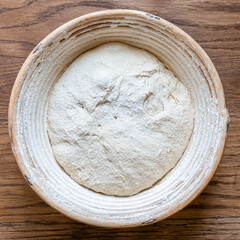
(215, 214)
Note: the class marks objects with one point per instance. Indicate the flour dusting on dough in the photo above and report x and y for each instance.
(118, 120)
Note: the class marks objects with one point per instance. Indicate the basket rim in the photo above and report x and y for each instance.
(116, 12)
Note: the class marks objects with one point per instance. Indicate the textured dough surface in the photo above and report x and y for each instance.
(118, 120)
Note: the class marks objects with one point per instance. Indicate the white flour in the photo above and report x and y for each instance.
(118, 120)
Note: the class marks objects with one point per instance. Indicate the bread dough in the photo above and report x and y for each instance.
(118, 120)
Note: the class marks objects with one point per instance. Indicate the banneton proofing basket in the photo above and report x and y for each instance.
(28, 108)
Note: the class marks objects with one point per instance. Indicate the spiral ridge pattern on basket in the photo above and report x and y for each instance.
(28, 107)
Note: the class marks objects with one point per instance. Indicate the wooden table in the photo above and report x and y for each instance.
(215, 214)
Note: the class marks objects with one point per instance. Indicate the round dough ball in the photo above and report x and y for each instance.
(118, 120)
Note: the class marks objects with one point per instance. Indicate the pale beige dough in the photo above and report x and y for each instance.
(118, 120)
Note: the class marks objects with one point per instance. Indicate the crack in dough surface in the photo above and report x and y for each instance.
(118, 120)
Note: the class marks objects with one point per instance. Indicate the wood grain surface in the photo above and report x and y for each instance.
(215, 214)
